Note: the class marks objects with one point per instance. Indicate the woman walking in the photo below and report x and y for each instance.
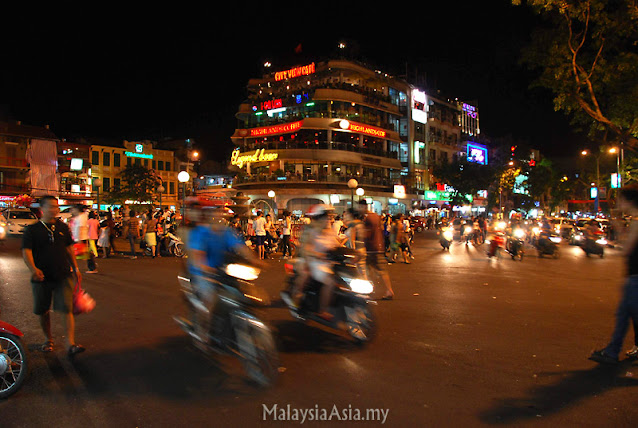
(150, 237)
(285, 234)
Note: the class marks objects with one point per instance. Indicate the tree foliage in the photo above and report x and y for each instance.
(587, 54)
(465, 177)
(138, 183)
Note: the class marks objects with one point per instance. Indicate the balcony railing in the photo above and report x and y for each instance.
(13, 162)
(324, 145)
(315, 178)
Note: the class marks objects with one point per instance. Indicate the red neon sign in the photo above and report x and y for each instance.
(295, 72)
(275, 129)
(365, 129)
(269, 105)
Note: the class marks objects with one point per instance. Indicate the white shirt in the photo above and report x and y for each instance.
(336, 226)
(80, 228)
(259, 225)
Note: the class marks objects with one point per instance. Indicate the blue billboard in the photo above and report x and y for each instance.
(477, 153)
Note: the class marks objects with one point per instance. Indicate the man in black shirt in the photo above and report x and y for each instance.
(47, 249)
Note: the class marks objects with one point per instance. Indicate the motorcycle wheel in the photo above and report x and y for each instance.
(256, 345)
(556, 254)
(362, 325)
(13, 364)
(178, 250)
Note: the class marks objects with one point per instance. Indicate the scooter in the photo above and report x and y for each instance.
(351, 303)
(496, 242)
(168, 244)
(547, 244)
(595, 245)
(467, 233)
(13, 360)
(515, 244)
(235, 327)
(446, 234)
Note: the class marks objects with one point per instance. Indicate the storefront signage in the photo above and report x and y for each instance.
(275, 129)
(138, 155)
(238, 159)
(437, 195)
(469, 110)
(4, 198)
(399, 191)
(368, 130)
(269, 105)
(295, 72)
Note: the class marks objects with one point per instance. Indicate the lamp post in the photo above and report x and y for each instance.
(360, 192)
(271, 195)
(160, 189)
(352, 184)
(97, 182)
(183, 178)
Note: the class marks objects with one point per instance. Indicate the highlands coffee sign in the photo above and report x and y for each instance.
(239, 159)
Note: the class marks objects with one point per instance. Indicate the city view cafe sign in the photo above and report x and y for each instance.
(239, 159)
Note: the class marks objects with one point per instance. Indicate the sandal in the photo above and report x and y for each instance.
(75, 349)
(47, 346)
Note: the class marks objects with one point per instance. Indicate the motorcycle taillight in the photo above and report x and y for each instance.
(289, 268)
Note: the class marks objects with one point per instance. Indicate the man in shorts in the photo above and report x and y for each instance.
(47, 249)
(375, 249)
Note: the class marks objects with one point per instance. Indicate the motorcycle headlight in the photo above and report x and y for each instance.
(244, 272)
(601, 241)
(554, 239)
(501, 225)
(359, 286)
(536, 230)
(578, 237)
(1, 229)
(447, 235)
(468, 229)
(519, 233)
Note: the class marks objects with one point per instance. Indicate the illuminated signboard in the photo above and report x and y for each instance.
(139, 148)
(295, 72)
(469, 110)
(268, 105)
(275, 129)
(138, 155)
(419, 116)
(365, 129)
(238, 159)
(477, 153)
(399, 191)
(76, 164)
(615, 181)
(437, 195)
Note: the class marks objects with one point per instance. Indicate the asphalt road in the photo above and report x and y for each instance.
(466, 342)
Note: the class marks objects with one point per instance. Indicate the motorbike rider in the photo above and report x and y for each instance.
(318, 238)
(208, 242)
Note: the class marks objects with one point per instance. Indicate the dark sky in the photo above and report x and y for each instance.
(120, 73)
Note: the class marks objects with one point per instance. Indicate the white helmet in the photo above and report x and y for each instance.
(320, 210)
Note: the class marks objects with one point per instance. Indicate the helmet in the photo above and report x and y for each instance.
(320, 210)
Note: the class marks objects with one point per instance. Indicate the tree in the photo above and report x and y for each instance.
(587, 55)
(138, 183)
(465, 177)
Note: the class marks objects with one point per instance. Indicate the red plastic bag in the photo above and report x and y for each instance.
(83, 303)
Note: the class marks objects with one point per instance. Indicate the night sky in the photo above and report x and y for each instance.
(117, 72)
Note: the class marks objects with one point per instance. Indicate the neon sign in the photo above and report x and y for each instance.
(477, 153)
(138, 155)
(275, 129)
(269, 105)
(260, 155)
(295, 72)
(364, 129)
(470, 110)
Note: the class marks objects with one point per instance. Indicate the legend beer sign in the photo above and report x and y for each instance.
(295, 72)
(238, 159)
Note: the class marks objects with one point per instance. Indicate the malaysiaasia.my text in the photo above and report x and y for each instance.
(301, 415)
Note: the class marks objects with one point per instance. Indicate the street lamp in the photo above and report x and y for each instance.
(97, 182)
(352, 184)
(161, 189)
(183, 178)
(271, 195)
(360, 192)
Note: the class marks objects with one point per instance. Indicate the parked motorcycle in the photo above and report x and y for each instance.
(547, 244)
(351, 304)
(168, 244)
(515, 244)
(446, 235)
(13, 360)
(236, 329)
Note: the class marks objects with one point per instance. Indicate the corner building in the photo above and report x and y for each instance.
(306, 131)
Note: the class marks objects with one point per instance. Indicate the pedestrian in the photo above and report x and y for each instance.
(132, 228)
(94, 234)
(80, 233)
(628, 305)
(337, 225)
(285, 235)
(375, 249)
(259, 225)
(150, 237)
(110, 223)
(104, 240)
(47, 250)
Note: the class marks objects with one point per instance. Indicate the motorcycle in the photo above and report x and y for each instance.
(515, 244)
(446, 234)
(595, 245)
(168, 244)
(467, 233)
(13, 360)
(351, 304)
(495, 243)
(547, 243)
(236, 329)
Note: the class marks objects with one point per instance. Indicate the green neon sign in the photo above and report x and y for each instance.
(138, 155)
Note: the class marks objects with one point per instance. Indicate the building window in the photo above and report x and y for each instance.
(116, 182)
(168, 166)
(116, 160)
(128, 161)
(138, 161)
(154, 164)
(432, 155)
(160, 165)
(146, 163)
(171, 187)
(106, 159)
(106, 184)
(95, 158)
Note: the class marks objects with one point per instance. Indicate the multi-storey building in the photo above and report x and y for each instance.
(304, 133)
(107, 161)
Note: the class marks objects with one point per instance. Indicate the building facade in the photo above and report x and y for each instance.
(304, 133)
